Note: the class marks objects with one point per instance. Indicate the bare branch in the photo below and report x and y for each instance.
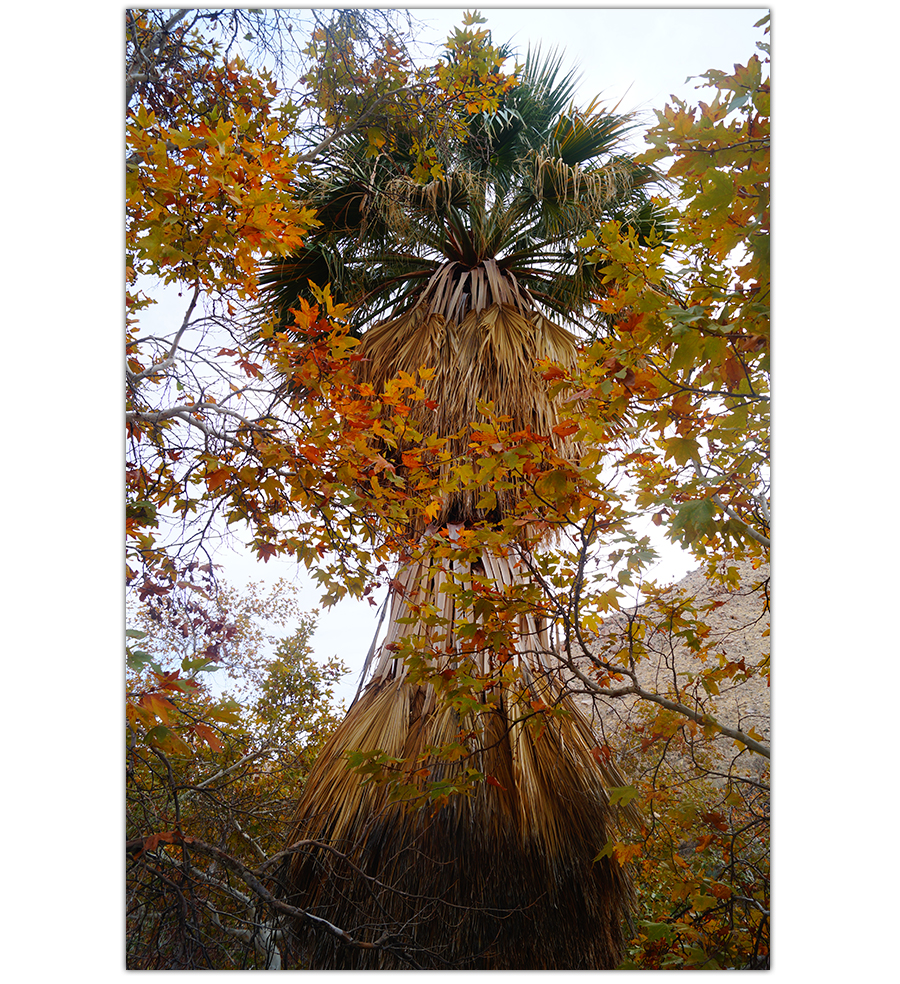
(147, 54)
(169, 360)
(238, 764)
(136, 847)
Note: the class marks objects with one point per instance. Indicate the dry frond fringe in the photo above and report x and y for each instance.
(591, 191)
(502, 878)
(483, 336)
(403, 193)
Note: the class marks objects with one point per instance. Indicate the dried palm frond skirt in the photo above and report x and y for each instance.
(501, 877)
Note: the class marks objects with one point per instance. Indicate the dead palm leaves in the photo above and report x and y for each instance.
(466, 836)
(480, 333)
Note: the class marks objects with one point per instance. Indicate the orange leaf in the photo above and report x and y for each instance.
(565, 429)
(208, 735)
(312, 454)
(217, 478)
(158, 706)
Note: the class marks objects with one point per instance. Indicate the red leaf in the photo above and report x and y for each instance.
(602, 754)
(715, 820)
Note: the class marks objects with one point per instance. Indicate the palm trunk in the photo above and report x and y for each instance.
(501, 876)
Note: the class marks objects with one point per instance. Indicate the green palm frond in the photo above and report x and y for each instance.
(544, 94)
(586, 136)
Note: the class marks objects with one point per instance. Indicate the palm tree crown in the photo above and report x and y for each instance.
(517, 193)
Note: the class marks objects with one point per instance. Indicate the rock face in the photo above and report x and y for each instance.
(722, 673)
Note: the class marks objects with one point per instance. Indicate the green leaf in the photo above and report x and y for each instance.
(717, 195)
(606, 852)
(687, 354)
(693, 520)
(621, 795)
(682, 449)
(657, 931)
(701, 903)
(137, 660)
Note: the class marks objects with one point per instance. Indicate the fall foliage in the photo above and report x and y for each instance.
(505, 535)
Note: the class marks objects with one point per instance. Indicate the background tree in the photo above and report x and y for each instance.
(211, 774)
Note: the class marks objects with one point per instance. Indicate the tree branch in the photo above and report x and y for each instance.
(168, 361)
(136, 847)
(759, 537)
(148, 53)
(706, 720)
(238, 764)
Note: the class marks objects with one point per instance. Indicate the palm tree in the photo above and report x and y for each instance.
(478, 276)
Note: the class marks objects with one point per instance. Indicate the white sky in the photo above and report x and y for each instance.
(637, 55)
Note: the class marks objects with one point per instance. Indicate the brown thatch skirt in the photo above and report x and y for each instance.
(501, 878)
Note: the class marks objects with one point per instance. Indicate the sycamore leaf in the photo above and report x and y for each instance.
(693, 520)
(206, 733)
(566, 428)
(682, 449)
(622, 795)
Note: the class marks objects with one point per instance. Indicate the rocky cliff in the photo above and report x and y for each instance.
(702, 643)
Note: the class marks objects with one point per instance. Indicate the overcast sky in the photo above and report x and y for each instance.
(637, 55)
